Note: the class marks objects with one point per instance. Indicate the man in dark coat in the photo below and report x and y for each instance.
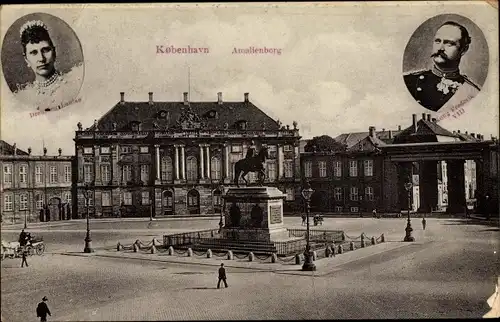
(23, 238)
(222, 275)
(42, 310)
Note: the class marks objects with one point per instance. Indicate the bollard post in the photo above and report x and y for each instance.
(297, 259)
(333, 250)
(274, 258)
(119, 247)
(190, 252)
(315, 255)
(153, 249)
(363, 240)
(352, 247)
(382, 238)
(136, 248)
(230, 255)
(209, 253)
(341, 249)
(251, 257)
(170, 251)
(343, 236)
(374, 241)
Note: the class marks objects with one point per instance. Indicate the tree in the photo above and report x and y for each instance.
(324, 143)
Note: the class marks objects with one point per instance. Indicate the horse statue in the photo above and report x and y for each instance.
(251, 164)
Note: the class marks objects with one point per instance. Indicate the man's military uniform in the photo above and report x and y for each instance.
(434, 89)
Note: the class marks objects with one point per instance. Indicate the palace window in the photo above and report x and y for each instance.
(290, 194)
(145, 198)
(337, 169)
(217, 198)
(126, 149)
(106, 199)
(287, 148)
(67, 173)
(38, 201)
(354, 209)
(192, 198)
(87, 172)
(105, 150)
(167, 199)
(144, 149)
(38, 174)
(353, 168)
(87, 150)
(8, 204)
(53, 174)
(127, 173)
(144, 172)
(90, 200)
(368, 168)
(271, 171)
(236, 148)
(67, 197)
(354, 194)
(308, 169)
(22, 174)
(288, 167)
(127, 198)
(166, 169)
(23, 204)
(338, 193)
(191, 168)
(105, 173)
(339, 208)
(322, 169)
(369, 193)
(7, 173)
(215, 168)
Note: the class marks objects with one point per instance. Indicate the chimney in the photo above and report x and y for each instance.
(433, 120)
(415, 122)
(122, 97)
(150, 98)
(60, 151)
(44, 151)
(15, 148)
(383, 130)
(390, 134)
(428, 117)
(399, 127)
(458, 131)
(423, 116)
(473, 135)
(219, 97)
(454, 132)
(29, 151)
(371, 129)
(466, 132)
(186, 98)
(246, 97)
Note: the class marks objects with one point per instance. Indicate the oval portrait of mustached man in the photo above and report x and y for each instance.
(445, 62)
(42, 62)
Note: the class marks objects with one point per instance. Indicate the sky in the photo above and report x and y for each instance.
(340, 68)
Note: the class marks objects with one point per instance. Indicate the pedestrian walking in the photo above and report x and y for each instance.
(222, 276)
(424, 222)
(24, 252)
(303, 219)
(42, 310)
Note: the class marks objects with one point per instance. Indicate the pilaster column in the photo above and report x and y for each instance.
(157, 151)
(208, 160)
(456, 186)
(226, 160)
(176, 148)
(280, 161)
(428, 185)
(202, 161)
(183, 164)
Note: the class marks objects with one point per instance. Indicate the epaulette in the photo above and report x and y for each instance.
(416, 72)
(470, 82)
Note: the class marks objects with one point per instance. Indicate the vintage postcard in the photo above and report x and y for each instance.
(270, 161)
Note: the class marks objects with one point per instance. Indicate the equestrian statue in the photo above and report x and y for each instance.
(251, 163)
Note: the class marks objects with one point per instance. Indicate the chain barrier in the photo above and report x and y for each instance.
(180, 253)
(265, 257)
(220, 256)
(286, 260)
(244, 256)
(199, 254)
(378, 239)
(352, 238)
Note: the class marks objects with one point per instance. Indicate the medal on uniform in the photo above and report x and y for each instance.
(446, 85)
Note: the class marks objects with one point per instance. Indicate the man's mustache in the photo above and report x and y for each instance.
(439, 53)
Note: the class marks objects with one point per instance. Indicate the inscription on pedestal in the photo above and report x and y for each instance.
(275, 214)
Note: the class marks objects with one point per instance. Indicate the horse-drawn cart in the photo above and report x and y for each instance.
(14, 249)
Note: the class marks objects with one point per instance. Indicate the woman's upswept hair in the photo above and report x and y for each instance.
(34, 32)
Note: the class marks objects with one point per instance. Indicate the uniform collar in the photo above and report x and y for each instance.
(454, 74)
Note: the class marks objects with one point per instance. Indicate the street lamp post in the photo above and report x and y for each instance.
(88, 241)
(308, 262)
(408, 229)
(25, 219)
(221, 221)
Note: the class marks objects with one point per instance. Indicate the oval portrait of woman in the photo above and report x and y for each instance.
(445, 62)
(42, 62)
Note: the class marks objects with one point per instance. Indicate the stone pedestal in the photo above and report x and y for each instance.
(254, 214)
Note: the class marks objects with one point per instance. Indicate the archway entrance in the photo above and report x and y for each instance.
(167, 203)
(193, 202)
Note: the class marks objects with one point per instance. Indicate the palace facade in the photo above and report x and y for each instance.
(34, 187)
(176, 158)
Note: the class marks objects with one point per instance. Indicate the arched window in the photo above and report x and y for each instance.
(166, 169)
(168, 199)
(193, 198)
(215, 168)
(217, 198)
(191, 169)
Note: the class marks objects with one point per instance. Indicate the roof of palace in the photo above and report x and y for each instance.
(354, 138)
(192, 115)
(424, 128)
(7, 149)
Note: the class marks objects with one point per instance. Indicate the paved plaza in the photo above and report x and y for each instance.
(448, 272)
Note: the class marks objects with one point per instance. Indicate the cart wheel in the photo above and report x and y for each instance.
(40, 249)
(31, 250)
